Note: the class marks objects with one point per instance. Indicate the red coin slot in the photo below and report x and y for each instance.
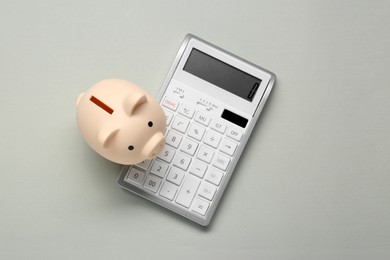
(100, 104)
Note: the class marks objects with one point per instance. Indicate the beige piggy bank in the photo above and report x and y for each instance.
(121, 122)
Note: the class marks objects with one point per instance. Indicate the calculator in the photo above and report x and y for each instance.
(212, 100)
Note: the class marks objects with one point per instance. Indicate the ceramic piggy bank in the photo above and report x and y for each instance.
(121, 122)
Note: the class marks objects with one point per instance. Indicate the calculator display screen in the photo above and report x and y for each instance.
(222, 74)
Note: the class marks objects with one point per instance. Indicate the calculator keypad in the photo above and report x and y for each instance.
(191, 167)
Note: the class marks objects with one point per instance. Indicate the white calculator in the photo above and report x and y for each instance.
(212, 100)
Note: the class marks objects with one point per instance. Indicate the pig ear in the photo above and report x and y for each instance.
(106, 134)
(79, 98)
(133, 101)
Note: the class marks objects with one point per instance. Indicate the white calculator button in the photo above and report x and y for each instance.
(159, 168)
(135, 176)
(168, 116)
(173, 139)
(152, 183)
(199, 206)
(175, 175)
(166, 153)
(221, 161)
(188, 191)
(145, 164)
(180, 124)
(212, 138)
(170, 103)
(207, 191)
(205, 154)
(202, 118)
(214, 176)
(186, 111)
(188, 146)
(234, 133)
(228, 146)
(168, 190)
(197, 168)
(196, 131)
(182, 161)
(218, 126)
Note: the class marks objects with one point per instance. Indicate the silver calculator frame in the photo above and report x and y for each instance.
(205, 221)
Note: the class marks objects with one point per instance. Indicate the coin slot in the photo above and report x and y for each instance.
(100, 104)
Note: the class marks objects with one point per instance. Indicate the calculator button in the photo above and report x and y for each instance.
(170, 103)
(205, 154)
(173, 139)
(221, 162)
(197, 168)
(228, 146)
(145, 164)
(159, 168)
(152, 183)
(166, 153)
(182, 161)
(180, 124)
(214, 176)
(212, 138)
(168, 190)
(234, 133)
(196, 131)
(168, 116)
(218, 126)
(186, 111)
(188, 191)
(175, 175)
(199, 206)
(188, 146)
(202, 118)
(135, 176)
(207, 191)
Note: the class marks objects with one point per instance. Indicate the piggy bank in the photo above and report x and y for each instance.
(121, 122)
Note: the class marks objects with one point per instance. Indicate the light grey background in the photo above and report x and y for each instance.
(313, 183)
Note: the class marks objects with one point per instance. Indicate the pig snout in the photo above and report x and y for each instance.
(154, 145)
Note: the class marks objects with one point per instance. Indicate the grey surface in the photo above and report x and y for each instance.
(314, 182)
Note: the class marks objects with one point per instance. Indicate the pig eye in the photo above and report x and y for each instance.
(150, 123)
(131, 148)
